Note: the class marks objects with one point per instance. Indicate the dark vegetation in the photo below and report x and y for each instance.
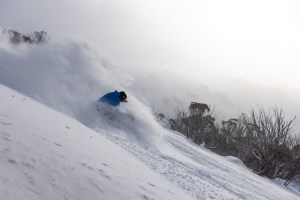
(261, 139)
(16, 37)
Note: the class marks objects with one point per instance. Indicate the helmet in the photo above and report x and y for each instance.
(123, 96)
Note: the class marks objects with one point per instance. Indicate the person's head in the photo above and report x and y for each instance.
(123, 96)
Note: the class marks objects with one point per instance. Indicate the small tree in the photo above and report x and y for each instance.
(196, 124)
(16, 37)
(228, 138)
(38, 37)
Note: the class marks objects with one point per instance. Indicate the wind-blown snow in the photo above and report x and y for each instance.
(70, 75)
(49, 155)
(66, 74)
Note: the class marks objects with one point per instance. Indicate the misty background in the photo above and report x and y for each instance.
(233, 54)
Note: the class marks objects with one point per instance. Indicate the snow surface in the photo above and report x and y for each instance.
(47, 155)
(55, 145)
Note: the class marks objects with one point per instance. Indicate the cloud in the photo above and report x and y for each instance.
(237, 39)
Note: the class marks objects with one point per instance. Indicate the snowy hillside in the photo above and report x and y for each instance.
(55, 145)
(47, 155)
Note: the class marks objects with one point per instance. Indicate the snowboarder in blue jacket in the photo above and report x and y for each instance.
(114, 98)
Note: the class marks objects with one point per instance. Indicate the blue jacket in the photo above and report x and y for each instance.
(112, 98)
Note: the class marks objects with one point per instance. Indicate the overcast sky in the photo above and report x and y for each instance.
(257, 40)
(248, 50)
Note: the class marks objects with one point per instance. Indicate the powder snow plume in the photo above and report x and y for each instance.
(69, 75)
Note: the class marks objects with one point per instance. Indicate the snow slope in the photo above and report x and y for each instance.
(80, 154)
(47, 155)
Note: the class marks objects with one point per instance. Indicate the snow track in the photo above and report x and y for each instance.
(201, 173)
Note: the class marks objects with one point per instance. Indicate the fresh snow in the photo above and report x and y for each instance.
(47, 155)
(55, 145)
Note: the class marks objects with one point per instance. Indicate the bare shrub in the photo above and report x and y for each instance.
(293, 169)
(267, 148)
(261, 139)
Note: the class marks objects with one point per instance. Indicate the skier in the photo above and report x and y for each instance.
(114, 98)
(111, 112)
